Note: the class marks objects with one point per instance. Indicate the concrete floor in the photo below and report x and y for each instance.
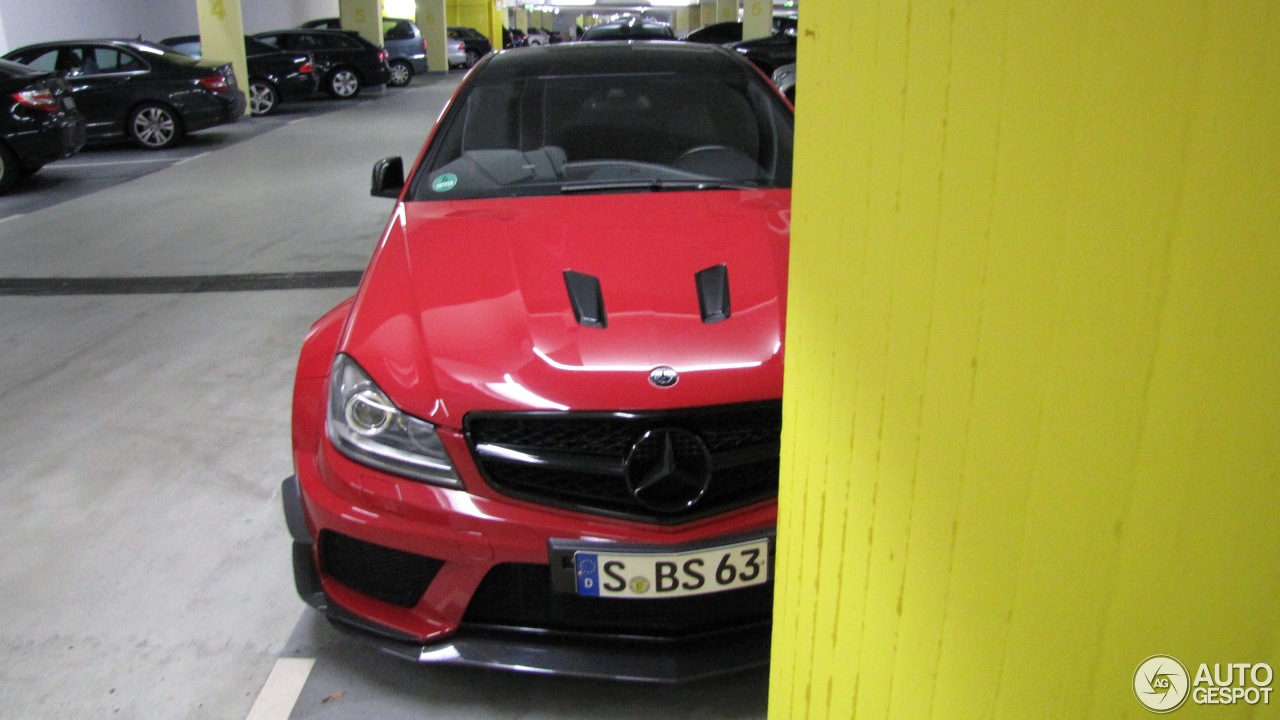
(145, 435)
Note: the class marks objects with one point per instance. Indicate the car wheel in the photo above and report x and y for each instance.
(472, 58)
(155, 126)
(401, 73)
(9, 169)
(263, 98)
(343, 83)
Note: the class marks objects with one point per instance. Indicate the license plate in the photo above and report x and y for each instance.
(663, 575)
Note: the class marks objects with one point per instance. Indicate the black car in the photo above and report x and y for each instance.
(477, 45)
(632, 28)
(345, 61)
(769, 53)
(722, 33)
(139, 90)
(275, 76)
(39, 122)
(403, 41)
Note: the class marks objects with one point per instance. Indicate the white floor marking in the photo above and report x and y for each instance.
(280, 693)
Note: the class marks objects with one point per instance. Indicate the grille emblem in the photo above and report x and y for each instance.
(663, 376)
(668, 470)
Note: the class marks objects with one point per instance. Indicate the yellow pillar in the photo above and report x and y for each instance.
(757, 19)
(431, 21)
(363, 16)
(707, 12)
(1032, 394)
(726, 10)
(221, 28)
(695, 17)
(522, 19)
(680, 22)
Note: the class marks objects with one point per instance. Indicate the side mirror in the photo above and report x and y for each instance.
(388, 178)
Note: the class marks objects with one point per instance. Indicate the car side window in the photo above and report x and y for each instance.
(99, 60)
(272, 40)
(47, 61)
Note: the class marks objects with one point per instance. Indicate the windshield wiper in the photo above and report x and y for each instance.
(656, 185)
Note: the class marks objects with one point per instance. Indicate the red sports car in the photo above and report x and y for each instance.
(544, 433)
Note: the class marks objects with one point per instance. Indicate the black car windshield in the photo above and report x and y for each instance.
(623, 132)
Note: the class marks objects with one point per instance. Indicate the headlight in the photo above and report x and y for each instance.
(367, 427)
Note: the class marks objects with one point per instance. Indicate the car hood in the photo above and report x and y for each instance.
(465, 305)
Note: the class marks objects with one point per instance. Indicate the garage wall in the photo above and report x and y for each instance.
(23, 22)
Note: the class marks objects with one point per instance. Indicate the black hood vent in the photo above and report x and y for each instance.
(713, 293)
(586, 299)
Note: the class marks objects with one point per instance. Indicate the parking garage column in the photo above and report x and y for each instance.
(757, 19)
(680, 21)
(707, 12)
(1029, 425)
(726, 10)
(431, 22)
(363, 16)
(222, 36)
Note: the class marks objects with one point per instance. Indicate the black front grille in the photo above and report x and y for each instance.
(392, 576)
(578, 460)
(517, 595)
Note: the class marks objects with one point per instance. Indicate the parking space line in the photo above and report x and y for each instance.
(184, 161)
(106, 163)
(280, 692)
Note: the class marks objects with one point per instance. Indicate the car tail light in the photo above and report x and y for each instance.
(306, 68)
(383, 55)
(38, 99)
(214, 83)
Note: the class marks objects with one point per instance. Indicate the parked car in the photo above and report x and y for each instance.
(536, 36)
(770, 53)
(632, 28)
(456, 52)
(133, 89)
(275, 75)
(39, 122)
(514, 38)
(544, 434)
(403, 41)
(722, 33)
(476, 44)
(347, 62)
(785, 78)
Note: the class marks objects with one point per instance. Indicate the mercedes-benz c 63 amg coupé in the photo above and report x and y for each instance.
(543, 435)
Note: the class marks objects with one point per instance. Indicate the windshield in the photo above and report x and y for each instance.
(608, 133)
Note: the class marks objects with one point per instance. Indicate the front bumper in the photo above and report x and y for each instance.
(597, 650)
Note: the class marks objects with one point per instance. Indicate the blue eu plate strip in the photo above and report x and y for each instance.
(588, 571)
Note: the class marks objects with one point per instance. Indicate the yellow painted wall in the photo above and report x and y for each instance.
(1032, 405)
(478, 14)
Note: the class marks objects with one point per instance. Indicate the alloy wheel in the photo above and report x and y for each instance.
(345, 83)
(262, 98)
(154, 127)
(401, 74)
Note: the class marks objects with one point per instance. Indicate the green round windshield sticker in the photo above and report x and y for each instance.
(444, 183)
